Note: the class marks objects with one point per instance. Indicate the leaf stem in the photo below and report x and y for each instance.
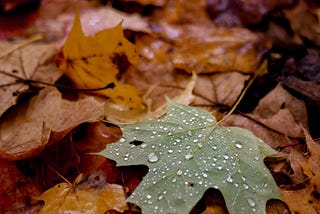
(30, 81)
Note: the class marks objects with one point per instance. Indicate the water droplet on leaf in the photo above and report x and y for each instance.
(179, 172)
(251, 202)
(152, 157)
(238, 145)
(229, 179)
(246, 186)
(144, 145)
(188, 156)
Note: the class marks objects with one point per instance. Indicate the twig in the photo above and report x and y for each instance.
(262, 69)
(21, 44)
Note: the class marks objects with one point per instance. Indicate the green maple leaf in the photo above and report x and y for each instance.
(186, 154)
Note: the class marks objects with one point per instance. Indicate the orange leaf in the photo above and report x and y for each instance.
(91, 196)
(91, 62)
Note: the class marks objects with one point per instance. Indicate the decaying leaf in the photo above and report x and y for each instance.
(91, 196)
(149, 2)
(244, 12)
(94, 62)
(29, 62)
(15, 189)
(25, 130)
(205, 49)
(306, 200)
(282, 111)
(186, 154)
(212, 89)
(276, 118)
(307, 14)
(92, 137)
(215, 49)
(198, 45)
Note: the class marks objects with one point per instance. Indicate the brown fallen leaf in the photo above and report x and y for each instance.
(205, 48)
(219, 88)
(244, 12)
(93, 137)
(16, 191)
(191, 11)
(209, 90)
(304, 12)
(93, 195)
(276, 119)
(198, 45)
(283, 112)
(25, 130)
(308, 89)
(214, 203)
(14, 22)
(148, 2)
(214, 49)
(34, 61)
(306, 200)
(277, 207)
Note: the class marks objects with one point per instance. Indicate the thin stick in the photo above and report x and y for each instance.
(28, 82)
(21, 44)
(260, 71)
(61, 176)
(109, 85)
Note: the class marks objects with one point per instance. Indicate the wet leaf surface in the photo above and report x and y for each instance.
(200, 156)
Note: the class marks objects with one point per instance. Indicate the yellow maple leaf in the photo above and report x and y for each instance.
(89, 61)
(68, 198)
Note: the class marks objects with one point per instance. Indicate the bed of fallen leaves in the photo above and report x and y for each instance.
(58, 106)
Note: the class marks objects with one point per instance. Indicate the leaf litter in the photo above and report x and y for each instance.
(167, 56)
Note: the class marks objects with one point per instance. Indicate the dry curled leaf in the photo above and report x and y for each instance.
(94, 62)
(30, 62)
(27, 129)
(306, 200)
(306, 14)
(282, 112)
